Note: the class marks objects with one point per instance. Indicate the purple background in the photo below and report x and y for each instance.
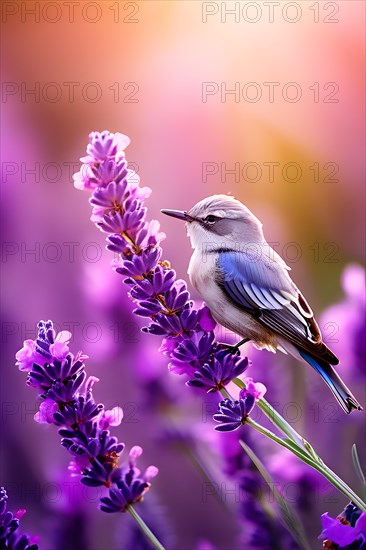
(55, 265)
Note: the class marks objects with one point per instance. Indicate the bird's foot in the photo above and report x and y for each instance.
(234, 349)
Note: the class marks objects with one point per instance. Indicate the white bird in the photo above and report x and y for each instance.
(248, 289)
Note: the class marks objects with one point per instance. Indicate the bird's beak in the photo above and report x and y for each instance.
(179, 214)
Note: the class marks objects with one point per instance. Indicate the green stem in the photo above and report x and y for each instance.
(205, 474)
(302, 449)
(225, 393)
(317, 465)
(276, 418)
(145, 529)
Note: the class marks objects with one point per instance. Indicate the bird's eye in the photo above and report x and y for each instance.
(210, 219)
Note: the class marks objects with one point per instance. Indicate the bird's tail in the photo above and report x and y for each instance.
(344, 396)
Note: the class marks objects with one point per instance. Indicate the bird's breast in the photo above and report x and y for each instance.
(202, 273)
(201, 270)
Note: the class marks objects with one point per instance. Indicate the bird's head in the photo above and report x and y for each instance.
(219, 220)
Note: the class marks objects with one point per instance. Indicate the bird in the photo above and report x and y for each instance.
(247, 287)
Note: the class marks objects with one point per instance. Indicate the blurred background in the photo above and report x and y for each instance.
(264, 100)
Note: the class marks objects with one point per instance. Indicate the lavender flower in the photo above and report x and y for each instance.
(349, 317)
(347, 531)
(219, 371)
(260, 528)
(164, 301)
(67, 401)
(130, 487)
(104, 145)
(233, 414)
(9, 525)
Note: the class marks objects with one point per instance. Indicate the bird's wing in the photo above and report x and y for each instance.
(263, 288)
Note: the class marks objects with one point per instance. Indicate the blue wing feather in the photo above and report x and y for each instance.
(260, 281)
(263, 288)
